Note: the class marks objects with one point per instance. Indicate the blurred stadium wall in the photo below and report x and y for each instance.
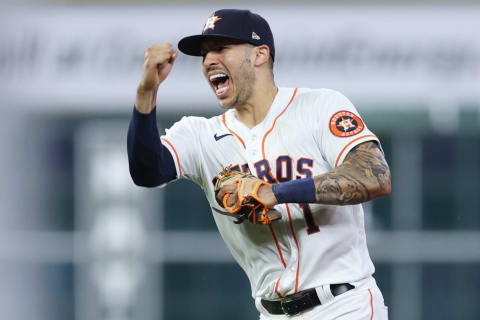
(79, 241)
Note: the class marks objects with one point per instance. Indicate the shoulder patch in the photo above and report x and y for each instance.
(345, 124)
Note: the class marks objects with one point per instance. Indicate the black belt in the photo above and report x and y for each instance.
(304, 300)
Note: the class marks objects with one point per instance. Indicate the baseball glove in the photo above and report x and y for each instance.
(249, 205)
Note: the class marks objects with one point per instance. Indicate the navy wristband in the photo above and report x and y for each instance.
(295, 191)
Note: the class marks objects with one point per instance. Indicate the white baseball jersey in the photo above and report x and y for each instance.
(305, 133)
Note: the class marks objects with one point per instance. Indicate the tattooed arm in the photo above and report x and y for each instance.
(364, 175)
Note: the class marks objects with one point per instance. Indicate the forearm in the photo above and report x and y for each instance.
(363, 176)
(146, 100)
(150, 163)
(343, 187)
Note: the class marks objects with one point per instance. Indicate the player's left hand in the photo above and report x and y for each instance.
(245, 197)
(265, 193)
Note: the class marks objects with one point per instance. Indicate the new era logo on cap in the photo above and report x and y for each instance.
(255, 36)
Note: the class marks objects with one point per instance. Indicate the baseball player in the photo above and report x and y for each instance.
(311, 153)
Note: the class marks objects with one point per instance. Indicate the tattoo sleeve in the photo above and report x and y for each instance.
(364, 175)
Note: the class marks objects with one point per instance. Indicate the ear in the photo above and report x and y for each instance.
(262, 54)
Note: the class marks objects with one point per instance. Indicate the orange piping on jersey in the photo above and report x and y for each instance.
(233, 132)
(345, 148)
(276, 288)
(298, 247)
(278, 246)
(176, 155)
(274, 121)
(371, 303)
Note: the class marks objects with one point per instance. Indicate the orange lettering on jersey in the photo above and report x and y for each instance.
(263, 171)
(303, 165)
(284, 168)
(346, 124)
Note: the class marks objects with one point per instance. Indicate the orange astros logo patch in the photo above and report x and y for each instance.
(346, 124)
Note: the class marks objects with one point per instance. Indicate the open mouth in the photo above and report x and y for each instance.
(220, 82)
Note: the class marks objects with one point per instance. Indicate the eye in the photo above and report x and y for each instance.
(221, 48)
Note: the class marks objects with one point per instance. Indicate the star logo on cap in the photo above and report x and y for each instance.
(210, 24)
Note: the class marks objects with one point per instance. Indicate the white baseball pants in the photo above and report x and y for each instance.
(365, 302)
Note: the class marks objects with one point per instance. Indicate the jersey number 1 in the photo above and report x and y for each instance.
(307, 213)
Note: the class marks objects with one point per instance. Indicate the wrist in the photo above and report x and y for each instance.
(295, 191)
(145, 100)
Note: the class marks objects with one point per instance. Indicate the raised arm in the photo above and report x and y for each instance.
(150, 163)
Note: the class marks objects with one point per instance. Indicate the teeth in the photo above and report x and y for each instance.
(218, 75)
(221, 90)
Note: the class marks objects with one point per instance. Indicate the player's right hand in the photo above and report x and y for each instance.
(157, 65)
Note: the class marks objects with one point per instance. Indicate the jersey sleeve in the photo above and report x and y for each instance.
(150, 163)
(182, 140)
(341, 127)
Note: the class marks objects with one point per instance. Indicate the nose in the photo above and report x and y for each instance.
(210, 59)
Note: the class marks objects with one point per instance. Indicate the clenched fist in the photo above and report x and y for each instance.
(158, 63)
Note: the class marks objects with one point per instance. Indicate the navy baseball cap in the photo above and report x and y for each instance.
(234, 24)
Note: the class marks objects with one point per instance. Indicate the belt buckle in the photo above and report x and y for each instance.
(295, 306)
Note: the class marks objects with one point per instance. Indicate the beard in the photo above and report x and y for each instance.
(244, 83)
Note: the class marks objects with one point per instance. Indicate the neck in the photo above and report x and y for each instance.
(256, 108)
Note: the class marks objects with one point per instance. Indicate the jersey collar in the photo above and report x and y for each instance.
(280, 101)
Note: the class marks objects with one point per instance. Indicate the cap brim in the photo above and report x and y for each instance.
(192, 45)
